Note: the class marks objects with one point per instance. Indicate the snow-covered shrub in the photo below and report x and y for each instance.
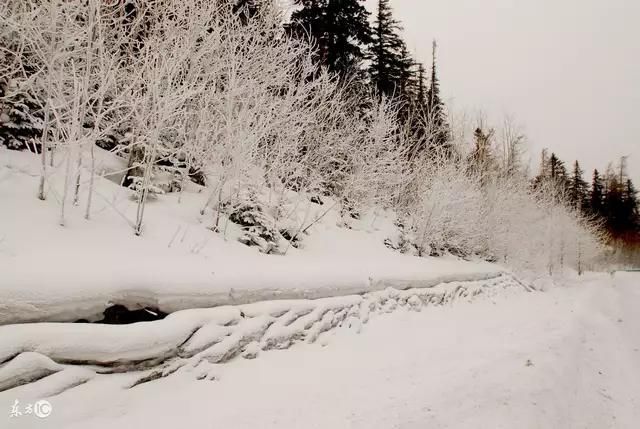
(447, 212)
(454, 205)
(256, 222)
(137, 186)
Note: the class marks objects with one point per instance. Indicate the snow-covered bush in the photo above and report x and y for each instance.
(454, 204)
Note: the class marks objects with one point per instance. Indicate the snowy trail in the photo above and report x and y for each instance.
(565, 358)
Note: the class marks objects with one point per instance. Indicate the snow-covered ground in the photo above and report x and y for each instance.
(568, 357)
(342, 332)
(55, 273)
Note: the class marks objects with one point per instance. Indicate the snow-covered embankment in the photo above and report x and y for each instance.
(51, 357)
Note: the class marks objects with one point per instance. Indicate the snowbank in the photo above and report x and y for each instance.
(192, 338)
(55, 273)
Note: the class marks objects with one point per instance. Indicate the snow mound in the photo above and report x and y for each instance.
(194, 340)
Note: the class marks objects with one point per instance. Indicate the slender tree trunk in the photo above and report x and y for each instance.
(76, 193)
(219, 207)
(43, 170)
(65, 190)
(145, 190)
(91, 181)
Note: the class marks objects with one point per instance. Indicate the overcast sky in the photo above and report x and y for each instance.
(568, 70)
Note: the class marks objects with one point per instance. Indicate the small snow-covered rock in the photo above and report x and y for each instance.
(390, 306)
(251, 351)
(392, 293)
(415, 304)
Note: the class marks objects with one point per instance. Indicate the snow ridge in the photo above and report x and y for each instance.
(52, 357)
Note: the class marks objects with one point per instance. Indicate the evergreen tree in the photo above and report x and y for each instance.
(407, 89)
(613, 206)
(552, 171)
(388, 53)
(340, 28)
(417, 113)
(421, 96)
(435, 107)
(21, 119)
(630, 206)
(596, 198)
(408, 77)
(557, 172)
(577, 188)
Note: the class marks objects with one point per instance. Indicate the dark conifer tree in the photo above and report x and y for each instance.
(340, 28)
(577, 188)
(630, 206)
(613, 206)
(557, 171)
(596, 197)
(388, 53)
(436, 111)
(417, 114)
(422, 88)
(21, 119)
(408, 77)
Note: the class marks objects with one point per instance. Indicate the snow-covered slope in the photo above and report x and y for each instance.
(63, 273)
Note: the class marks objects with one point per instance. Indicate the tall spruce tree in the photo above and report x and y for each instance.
(630, 207)
(577, 188)
(421, 96)
(408, 76)
(340, 28)
(418, 109)
(596, 197)
(436, 111)
(613, 206)
(388, 53)
(557, 171)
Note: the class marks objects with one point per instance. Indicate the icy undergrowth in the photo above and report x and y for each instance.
(44, 359)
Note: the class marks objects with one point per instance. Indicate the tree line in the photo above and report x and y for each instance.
(609, 199)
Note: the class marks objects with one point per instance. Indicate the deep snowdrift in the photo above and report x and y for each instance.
(55, 273)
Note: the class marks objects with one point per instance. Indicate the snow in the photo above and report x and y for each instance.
(214, 335)
(568, 357)
(26, 367)
(55, 273)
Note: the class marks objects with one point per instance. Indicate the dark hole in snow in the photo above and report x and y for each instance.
(121, 315)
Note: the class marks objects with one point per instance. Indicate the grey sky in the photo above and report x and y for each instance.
(568, 70)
